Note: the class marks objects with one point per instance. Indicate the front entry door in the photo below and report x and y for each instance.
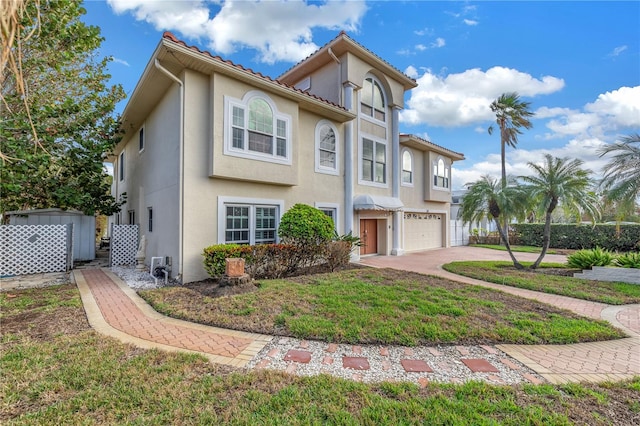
(369, 236)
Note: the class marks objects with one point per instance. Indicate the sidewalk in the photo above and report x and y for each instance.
(116, 310)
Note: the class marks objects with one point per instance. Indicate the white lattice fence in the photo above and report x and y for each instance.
(124, 244)
(33, 249)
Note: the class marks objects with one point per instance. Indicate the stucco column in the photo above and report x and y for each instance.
(396, 167)
(348, 161)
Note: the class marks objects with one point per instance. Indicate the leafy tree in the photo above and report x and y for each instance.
(560, 182)
(622, 172)
(55, 134)
(487, 198)
(511, 115)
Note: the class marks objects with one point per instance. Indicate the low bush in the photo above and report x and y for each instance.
(576, 237)
(586, 259)
(337, 254)
(628, 260)
(215, 255)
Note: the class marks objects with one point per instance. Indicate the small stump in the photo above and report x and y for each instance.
(234, 273)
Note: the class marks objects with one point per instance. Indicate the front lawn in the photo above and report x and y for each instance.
(70, 374)
(548, 279)
(383, 306)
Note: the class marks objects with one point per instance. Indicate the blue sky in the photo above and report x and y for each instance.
(578, 63)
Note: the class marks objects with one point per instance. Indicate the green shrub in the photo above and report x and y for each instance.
(273, 261)
(215, 255)
(572, 236)
(304, 225)
(628, 260)
(586, 259)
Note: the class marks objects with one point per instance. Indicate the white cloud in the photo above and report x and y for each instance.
(463, 99)
(421, 47)
(424, 31)
(411, 71)
(121, 61)
(618, 50)
(438, 43)
(470, 22)
(279, 31)
(621, 107)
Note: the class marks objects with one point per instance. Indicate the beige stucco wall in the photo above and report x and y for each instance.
(357, 70)
(430, 192)
(160, 190)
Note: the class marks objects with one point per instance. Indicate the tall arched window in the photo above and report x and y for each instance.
(440, 174)
(407, 168)
(326, 148)
(372, 99)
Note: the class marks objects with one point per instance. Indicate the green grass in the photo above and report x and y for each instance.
(90, 379)
(501, 272)
(382, 306)
(521, 249)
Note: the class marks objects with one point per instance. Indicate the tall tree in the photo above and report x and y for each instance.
(560, 182)
(511, 115)
(57, 161)
(487, 198)
(622, 173)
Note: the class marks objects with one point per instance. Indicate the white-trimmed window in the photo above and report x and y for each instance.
(255, 129)
(121, 166)
(374, 161)
(132, 217)
(150, 219)
(327, 144)
(372, 101)
(440, 174)
(141, 139)
(248, 221)
(332, 210)
(407, 168)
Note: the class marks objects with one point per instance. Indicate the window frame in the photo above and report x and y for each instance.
(375, 82)
(446, 175)
(121, 161)
(319, 168)
(252, 204)
(149, 219)
(403, 170)
(376, 141)
(141, 139)
(335, 207)
(279, 120)
(131, 214)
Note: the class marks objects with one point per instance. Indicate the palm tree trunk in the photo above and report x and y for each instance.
(503, 159)
(546, 238)
(505, 239)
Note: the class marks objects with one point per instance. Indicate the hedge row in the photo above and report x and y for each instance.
(578, 237)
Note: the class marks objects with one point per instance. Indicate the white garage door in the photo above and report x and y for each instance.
(422, 231)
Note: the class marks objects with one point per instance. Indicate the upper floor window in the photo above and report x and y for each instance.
(256, 129)
(141, 140)
(372, 99)
(440, 174)
(374, 161)
(326, 148)
(121, 166)
(407, 168)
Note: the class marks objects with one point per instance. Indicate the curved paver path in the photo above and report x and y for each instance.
(597, 361)
(115, 309)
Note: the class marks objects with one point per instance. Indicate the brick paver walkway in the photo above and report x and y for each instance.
(115, 309)
(122, 310)
(598, 361)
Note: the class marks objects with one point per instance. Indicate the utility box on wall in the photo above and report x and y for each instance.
(84, 227)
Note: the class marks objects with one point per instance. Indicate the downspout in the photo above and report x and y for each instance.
(396, 250)
(181, 169)
(348, 162)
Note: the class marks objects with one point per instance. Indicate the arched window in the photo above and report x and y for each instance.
(407, 168)
(326, 148)
(372, 99)
(440, 174)
(257, 130)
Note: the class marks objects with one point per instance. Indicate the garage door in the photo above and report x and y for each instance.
(422, 231)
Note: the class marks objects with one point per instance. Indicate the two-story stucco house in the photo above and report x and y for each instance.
(216, 153)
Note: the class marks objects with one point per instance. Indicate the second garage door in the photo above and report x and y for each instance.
(422, 231)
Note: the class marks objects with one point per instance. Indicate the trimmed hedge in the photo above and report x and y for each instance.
(579, 237)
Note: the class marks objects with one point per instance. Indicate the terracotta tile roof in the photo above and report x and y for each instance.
(408, 135)
(344, 34)
(169, 36)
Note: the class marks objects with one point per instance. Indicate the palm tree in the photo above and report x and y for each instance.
(560, 182)
(486, 198)
(622, 172)
(511, 115)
